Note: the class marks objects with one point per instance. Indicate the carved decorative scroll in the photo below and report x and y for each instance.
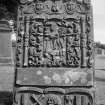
(90, 49)
(54, 53)
(19, 49)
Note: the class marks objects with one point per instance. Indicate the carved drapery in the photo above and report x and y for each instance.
(54, 50)
(55, 34)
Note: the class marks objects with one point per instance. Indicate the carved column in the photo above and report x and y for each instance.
(83, 43)
(19, 49)
(78, 100)
(26, 41)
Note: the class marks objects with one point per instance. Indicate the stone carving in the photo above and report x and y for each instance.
(69, 100)
(51, 99)
(39, 8)
(54, 44)
(23, 1)
(50, 41)
(32, 98)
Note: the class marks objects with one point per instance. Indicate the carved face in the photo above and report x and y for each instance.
(40, 29)
(32, 40)
(39, 6)
(71, 6)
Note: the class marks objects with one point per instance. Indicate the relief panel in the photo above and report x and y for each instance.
(54, 35)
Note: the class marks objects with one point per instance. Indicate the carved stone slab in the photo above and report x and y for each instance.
(55, 34)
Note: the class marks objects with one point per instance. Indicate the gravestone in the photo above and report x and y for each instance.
(54, 54)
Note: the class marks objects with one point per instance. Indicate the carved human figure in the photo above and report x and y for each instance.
(36, 43)
(70, 7)
(39, 6)
(34, 56)
(54, 8)
(54, 42)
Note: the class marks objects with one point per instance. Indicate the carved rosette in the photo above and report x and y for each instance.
(54, 44)
(70, 7)
(35, 50)
(90, 46)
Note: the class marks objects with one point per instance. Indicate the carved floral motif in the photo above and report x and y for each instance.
(90, 50)
(19, 52)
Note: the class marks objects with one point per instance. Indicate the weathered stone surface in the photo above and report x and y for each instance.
(55, 77)
(55, 34)
(54, 52)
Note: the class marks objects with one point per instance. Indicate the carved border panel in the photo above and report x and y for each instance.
(55, 37)
(50, 98)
